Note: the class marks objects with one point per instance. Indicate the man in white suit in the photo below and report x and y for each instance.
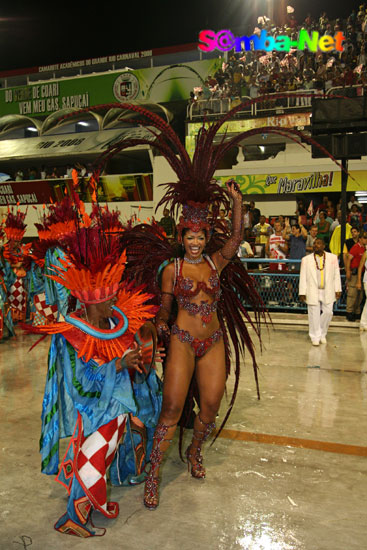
(319, 287)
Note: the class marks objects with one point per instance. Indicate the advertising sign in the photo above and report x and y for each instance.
(156, 84)
(67, 145)
(120, 188)
(27, 192)
(293, 183)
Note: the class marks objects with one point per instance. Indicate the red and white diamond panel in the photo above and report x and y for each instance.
(17, 298)
(47, 311)
(95, 456)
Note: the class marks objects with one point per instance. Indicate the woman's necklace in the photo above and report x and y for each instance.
(190, 261)
(323, 261)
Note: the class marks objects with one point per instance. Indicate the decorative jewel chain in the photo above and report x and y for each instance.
(323, 261)
(190, 261)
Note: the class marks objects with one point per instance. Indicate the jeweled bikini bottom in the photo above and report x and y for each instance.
(200, 347)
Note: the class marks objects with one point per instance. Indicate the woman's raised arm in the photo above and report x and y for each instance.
(223, 256)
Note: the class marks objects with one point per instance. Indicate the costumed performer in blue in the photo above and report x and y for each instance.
(6, 321)
(12, 256)
(92, 362)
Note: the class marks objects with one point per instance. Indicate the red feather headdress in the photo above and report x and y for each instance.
(14, 225)
(108, 220)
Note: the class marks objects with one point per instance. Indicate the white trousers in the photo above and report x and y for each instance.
(319, 317)
(364, 312)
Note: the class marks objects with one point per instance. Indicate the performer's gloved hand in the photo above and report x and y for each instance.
(233, 190)
(132, 360)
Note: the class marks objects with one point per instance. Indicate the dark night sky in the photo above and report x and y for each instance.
(31, 35)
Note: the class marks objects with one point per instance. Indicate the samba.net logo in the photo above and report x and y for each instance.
(225, 41)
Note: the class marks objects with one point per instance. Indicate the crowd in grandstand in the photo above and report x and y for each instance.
(254, 73)
(46, 172)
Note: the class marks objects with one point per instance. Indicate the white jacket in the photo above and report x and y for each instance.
(308, 283)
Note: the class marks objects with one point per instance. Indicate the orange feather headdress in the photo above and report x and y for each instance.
(92, 271)
(93, 267)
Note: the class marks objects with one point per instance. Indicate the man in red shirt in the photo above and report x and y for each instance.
(354, 295)
(276, 247)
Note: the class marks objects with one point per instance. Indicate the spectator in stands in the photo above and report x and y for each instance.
(323, 227)
(32, 175)
(349, 242)
(253, 88)
(297, 241)
(354, 294)
(19, 175)
(329, 217)
(355, 216)
(311, 237)
(262, 231)
(255, 213)
(336, 222)
(245, 250)
(247, 220)
(276, 246)
(330, 209)
(43, 172)
(352, 201)
(301, 211)
(281, 220)
(223, 224)
(168, 224)
(251, 73)
(323, 205)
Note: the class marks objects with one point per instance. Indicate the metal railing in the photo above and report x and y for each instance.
(356, 90)
(279, 288)
(217, 106)
(209, 107)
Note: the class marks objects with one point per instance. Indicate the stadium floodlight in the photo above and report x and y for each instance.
(82, 123)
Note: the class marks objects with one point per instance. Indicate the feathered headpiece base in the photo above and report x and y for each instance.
(194, 217)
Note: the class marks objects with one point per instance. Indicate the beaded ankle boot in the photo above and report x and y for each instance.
(193, 451)
(151, 493)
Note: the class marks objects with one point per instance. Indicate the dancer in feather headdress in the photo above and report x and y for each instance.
(99, 382)
(6, 321)
(12, 262)
(209, 296)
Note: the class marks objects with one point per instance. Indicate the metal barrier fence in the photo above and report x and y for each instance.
(279, 289)
(217, 106)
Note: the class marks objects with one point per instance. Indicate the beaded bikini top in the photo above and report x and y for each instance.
(184, 285)
(183, 290)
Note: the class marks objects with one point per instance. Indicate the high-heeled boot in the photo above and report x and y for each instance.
(151, 493)
(193, 451)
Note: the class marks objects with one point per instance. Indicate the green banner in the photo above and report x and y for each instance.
(296, 182)
(155, 85)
